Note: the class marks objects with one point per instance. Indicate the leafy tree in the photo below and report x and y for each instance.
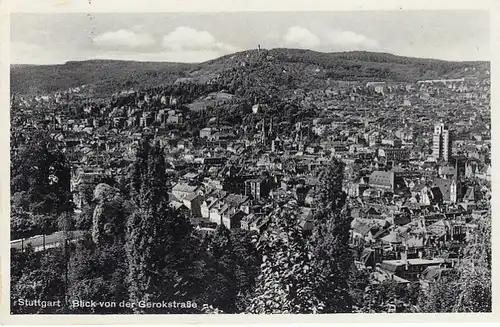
(41, 171)
(45, 283)
(247, 265)
(467, 288)
(25, 224)
(441, 295)
(475, 272)
(332, 255)
(287, 279)
(358, 282)
(197, 275)
(223, 286)
(377, 297)
(98, 273)
(66, 222)
(108, 219)
(224, 270)
(40, 186)
(156, 233)
(83, 220)
(22, 261)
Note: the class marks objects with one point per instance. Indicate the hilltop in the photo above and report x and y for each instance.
(280, 68)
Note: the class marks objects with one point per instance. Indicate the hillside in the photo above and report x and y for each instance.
(106, 75)
(383, 65)
(281, 68)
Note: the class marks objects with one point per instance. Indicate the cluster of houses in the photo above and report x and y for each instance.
(412, 210)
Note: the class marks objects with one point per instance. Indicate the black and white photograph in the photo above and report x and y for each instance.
(254, 162)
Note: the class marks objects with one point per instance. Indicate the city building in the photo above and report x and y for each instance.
(441, 142)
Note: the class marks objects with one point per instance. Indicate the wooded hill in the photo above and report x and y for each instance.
(276, 67)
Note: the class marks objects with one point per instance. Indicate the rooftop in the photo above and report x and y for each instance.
(414, 262)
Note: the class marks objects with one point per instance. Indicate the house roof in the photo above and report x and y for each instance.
(237, 215)
(371, 210)
(411, 205)
(190, 175)
(444, 186)
(381, 276)
(182, 187)
(191, 196)
(439, 227)
(432, 273)
(447, 170)
(419, 186)
(436, 193)
(250, 218)
(235, 199)
(172, 198)
(364, 180)
(361, 227)
(260, 221)
(176, 204)
(393, 238)
(382, 178)
(366, 254)
(469, 194)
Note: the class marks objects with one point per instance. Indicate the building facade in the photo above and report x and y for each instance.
(441, 142)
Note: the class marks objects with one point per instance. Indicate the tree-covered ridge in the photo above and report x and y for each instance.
(109, 76)
(103, 77)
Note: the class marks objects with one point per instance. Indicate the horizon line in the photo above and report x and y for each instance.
(249, 50)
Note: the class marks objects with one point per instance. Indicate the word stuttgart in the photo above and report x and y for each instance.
(38, 303)
(140, 304)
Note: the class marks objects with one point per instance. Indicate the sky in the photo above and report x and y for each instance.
(54, 38)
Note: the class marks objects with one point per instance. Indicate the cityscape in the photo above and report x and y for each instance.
(263, 181)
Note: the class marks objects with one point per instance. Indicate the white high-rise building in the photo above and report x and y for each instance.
(441, 142)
